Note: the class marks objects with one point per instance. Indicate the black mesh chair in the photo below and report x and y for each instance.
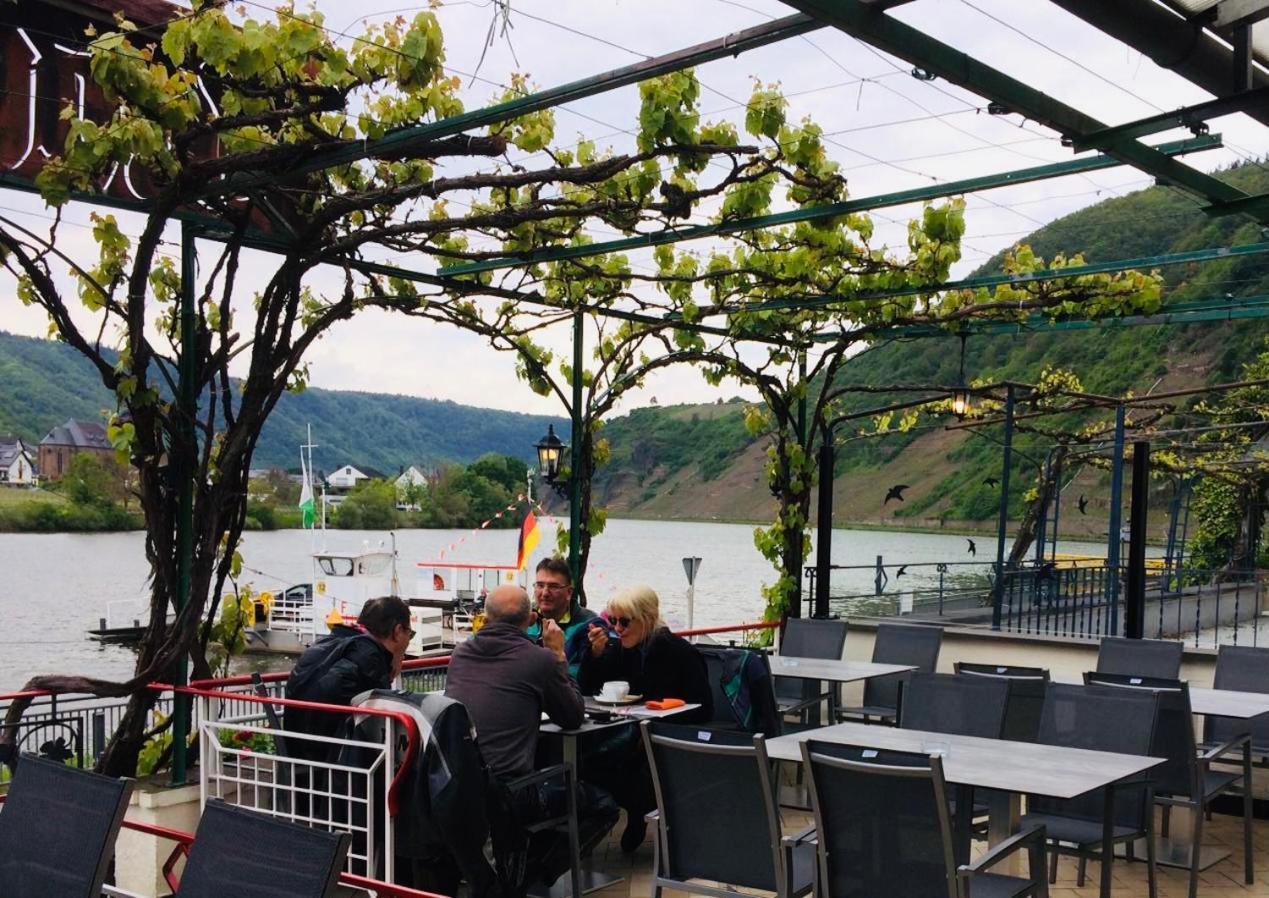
(249, 855)
(1187, 780)
(895, 644)
(742, 687)
(962, 706)
(1242, 668)
(1098, 718)
(717, 818)
(806, 637)
(883, 830)
(1140, 657)
(58, 829)
(1027, 686)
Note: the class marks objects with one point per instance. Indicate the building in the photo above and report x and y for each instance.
(17, 467)
(346, 477)
(64, 441)
(410, 484)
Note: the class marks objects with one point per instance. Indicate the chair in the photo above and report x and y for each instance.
(717, 818)
(1100, 719)
(806, 637)
(1027, 686)
(1242, 668)
(249, 855)
(742, 687)
(58, 829)
(1187, 779)
(962, 706)
(896, 644)
(1140, 657)
(883, 830)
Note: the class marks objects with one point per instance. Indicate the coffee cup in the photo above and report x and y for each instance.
(615, 691)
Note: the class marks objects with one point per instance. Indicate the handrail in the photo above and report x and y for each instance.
(407, 722)
(704, 631)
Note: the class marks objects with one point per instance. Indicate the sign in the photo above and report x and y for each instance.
(690, 567)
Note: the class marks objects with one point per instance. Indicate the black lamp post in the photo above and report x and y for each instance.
(960, 395)
(550, 449)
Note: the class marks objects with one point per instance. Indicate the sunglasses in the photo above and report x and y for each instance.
(623, 622)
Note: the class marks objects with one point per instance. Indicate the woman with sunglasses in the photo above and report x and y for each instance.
(657, 665)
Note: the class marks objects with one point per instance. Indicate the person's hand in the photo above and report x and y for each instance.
(553, 637)
(598, 636)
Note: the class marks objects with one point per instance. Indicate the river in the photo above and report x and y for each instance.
(56, 586)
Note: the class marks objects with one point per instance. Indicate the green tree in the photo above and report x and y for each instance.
(93, 481)
(371, 505)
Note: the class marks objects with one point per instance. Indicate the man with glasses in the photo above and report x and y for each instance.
(553, 596)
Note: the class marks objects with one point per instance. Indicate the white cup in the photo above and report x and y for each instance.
(615, 691)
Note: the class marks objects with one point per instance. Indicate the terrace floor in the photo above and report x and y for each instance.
(1224, 880)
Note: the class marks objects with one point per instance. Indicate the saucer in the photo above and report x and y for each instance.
(628, 700)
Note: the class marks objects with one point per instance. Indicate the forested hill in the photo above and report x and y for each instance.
(698, 461)
(43, 383)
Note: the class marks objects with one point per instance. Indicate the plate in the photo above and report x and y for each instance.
(628, 700)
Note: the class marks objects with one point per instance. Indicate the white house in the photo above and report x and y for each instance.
(348, 476)
(408, 481)
(17, 468)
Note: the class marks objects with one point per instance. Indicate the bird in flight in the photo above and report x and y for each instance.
(1083, 505)
(992, 482)
(903, 569)
(895, 492)
(973, 547)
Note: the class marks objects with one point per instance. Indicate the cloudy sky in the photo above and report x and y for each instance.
(888, 130)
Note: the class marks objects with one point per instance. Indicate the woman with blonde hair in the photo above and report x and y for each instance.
(631, 642)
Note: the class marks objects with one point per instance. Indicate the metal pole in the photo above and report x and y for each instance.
(824, 535)
(1116, 520)
(1174, 518)
(795, 606)
(1135, 608)
(1057, 508)
(1002, 518)
(187, 399)
(575, 480)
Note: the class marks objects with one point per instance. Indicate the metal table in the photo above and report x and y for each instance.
(833, 671)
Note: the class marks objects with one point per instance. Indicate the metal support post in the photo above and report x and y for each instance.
(1002, 517)
(1116, 520)
(1135, 605)
(795, 606)
(575, 462)
(824, 535)
(187, 400)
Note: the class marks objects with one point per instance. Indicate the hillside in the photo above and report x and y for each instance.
(43, 382)
(697, 461)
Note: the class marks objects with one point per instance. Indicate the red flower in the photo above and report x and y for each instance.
(243, 736)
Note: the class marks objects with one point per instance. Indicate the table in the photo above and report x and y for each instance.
(834, 671)
(591, 880)
(972, 762)
(1216, 702)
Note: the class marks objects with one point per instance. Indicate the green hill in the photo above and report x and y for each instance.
(43, 382)
(701, 455)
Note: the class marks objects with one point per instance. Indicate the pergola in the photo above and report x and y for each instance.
(1210, 43)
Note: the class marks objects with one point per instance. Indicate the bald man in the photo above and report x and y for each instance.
(507, 682)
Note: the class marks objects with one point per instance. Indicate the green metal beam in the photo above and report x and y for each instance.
(880, 201)
(1197, 312)
(1185, 117)
(905, 42)
(407, 140)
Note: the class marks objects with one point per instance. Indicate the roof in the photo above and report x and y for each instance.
(10, 446)
(140, 12)
(80, 434)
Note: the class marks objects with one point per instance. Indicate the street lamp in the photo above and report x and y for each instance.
(550, 448)
(960, 394)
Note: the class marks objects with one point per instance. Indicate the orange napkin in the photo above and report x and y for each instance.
(665, 704)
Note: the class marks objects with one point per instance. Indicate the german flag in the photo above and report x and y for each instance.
(529, 536)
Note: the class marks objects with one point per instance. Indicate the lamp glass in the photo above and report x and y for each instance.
(960, 403)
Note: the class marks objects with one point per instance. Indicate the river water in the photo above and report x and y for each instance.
(55, 587)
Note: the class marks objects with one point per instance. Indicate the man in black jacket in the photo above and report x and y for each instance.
(506, 683)
(344, 664)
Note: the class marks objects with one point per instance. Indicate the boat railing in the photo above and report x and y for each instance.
(291, 614)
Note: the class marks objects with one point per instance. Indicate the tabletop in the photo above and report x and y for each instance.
(1050, 770)
(622, 714)
(1216, 702)
(833, 670)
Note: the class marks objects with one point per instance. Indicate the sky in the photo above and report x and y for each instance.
(888, 130)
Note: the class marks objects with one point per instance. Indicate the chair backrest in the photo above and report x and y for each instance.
(1173, 730)
(1140, 657)
(1242, 668)
(881, 821)
(901, 644)
(717, 803)
(57, 830)
(1099, 718)
(809, 637)
(249, 855)
(964, 706)
(1027, 686)
(742, 688)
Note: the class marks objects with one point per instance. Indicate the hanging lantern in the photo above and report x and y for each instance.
(549, 450)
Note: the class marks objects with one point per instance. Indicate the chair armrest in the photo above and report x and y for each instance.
(537, 776)
(805, 836)
(1214, 753)
(652, 816)
(1027, 839)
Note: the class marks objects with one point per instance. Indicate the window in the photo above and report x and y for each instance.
(336, 567)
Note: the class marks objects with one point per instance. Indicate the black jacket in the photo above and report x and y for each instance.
(666, 666)
(333, 671)
(506, 682)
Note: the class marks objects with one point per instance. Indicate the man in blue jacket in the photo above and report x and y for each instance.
(553, 596)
